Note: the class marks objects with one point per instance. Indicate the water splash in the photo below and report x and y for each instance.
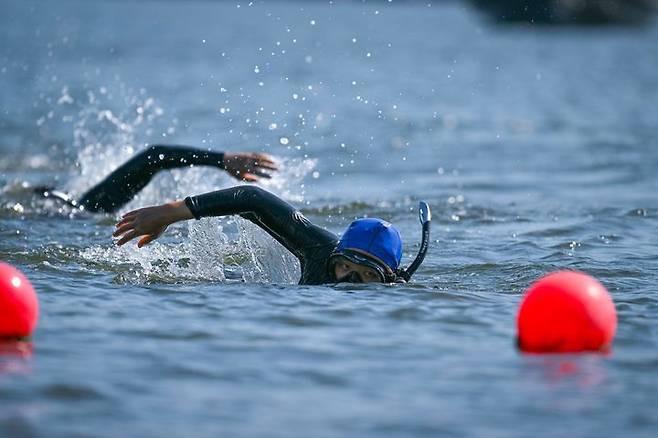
(215, 249)
(288, 181)
(210, 249)
(105, 139)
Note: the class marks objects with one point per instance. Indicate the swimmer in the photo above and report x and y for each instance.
(124, 183)
(370, 250)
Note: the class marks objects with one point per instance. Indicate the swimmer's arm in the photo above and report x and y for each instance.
(245, 166)
(121, 186)
(150, 222)
(278, 218)
(274, 215)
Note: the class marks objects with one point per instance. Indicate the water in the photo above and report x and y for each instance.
(536, 149)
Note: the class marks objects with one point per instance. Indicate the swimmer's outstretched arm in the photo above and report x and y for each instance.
(125, 182)
(278, 218)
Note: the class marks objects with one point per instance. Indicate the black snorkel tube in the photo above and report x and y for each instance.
(425, 217)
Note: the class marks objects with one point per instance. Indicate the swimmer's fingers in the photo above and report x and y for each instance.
(125, 220)
(261, 174)
(134, 213)
(264, 161)
(255, 175)
(130, 235)
(122, 228)
(150, 222)
(249, 166)
(147, 239)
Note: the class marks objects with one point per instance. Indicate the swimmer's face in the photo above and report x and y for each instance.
(345, 270)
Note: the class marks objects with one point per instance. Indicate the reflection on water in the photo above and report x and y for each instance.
(15, 357)
(583, 371)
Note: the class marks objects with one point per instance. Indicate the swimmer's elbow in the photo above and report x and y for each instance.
(254, 192)
(260, 200)
(236, 200)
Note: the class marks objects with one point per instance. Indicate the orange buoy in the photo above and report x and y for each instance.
(19, 305)
(564, 312)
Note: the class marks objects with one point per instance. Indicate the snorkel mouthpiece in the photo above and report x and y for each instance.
(425, 217)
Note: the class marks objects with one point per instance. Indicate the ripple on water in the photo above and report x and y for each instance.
(173, 335)
(318, 377)
(292, 320)
(72, 392)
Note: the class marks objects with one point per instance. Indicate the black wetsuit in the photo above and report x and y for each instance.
(121, 186)
(311, 244)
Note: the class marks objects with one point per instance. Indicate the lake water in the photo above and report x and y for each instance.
(536, 148)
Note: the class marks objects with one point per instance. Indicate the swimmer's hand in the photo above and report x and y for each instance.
(150, 222)
(249, 167)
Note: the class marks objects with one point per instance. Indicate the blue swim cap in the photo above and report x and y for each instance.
(376, 239)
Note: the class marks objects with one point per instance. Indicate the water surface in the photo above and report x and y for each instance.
(535, 147)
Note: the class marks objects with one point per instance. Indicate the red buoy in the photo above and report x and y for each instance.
(19, 305)
(566, 312)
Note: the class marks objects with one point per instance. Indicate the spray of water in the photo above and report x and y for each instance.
(214, 249)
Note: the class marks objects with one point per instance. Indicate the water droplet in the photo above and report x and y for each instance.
(284, 140)
(161, 156)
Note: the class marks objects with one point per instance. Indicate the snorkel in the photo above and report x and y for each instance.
(425, 217)
(376, 244)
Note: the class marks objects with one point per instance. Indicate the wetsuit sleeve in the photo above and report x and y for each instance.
(124, 183)
(274, 215)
